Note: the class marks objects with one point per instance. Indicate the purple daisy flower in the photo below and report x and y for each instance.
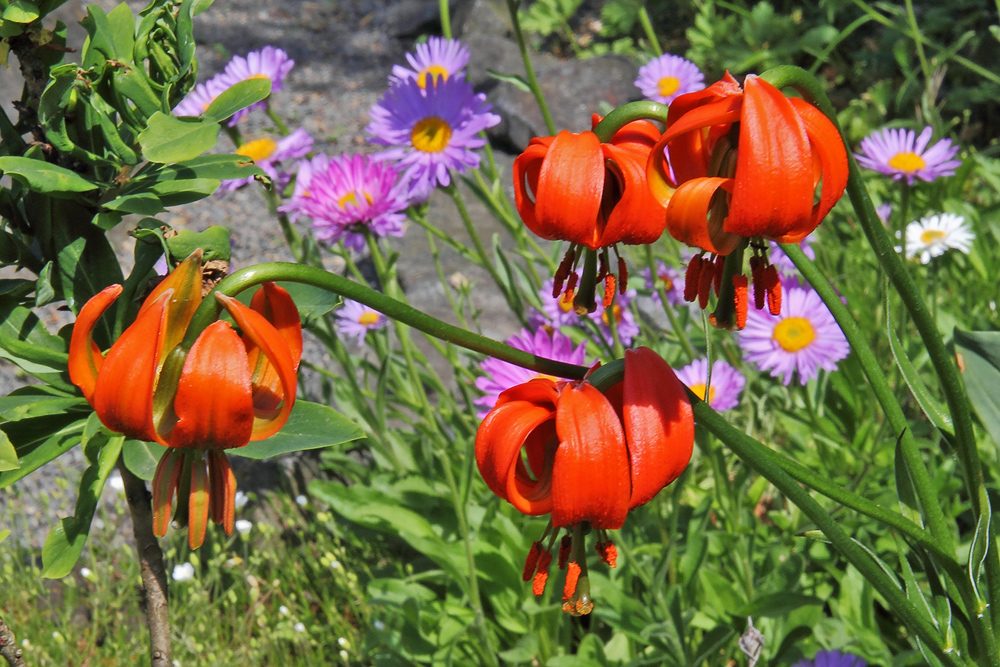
(780, 260)
(500, 375)
(900, 153)
(628, 328)
(266, 153)
(557, 311)
(346, 195)
(430, 132)
(803, 337)
(200, 98)
(670, 278)
(268, 63)
(356, 319)
(303, 176)
(664, 78)
(727, 383)
(437, 58)
(832, 659)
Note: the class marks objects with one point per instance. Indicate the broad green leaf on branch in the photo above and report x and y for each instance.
(238, 96)
(310, 426)
(66, 540)
(8, 456)
(16, 407)
(142, 457)
(141, 203)
(218, 167)
(112, 36)
(38, 441)
(312, 302)
(25, 341)
(179, 192)
(21, 11)
(169, 139)
(41, 176)
(979, 355)
(214, 243)
(4, 533)
(87, 264)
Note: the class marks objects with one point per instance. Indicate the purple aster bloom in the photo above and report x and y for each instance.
(803, 337)
(266, 153)
(628, 328)
(430, 132)
(346, 195)
(832, 659)
(884, 213)
(200, 98)
(557, 310)
(664, 78)
(670, 278)
(727, 383)
(780, 260)
(500, 375)
(900, 153)
(269, 63)
(356, 319)
(438, 58)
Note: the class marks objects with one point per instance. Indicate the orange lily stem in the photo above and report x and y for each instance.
(251, 276)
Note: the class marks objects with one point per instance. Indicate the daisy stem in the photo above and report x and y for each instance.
(647, 27)
(276, 119)
(529, 69)
(925, 68)
(627, 113)
(251, 276)
(754, 455)
(445, 12)
(680, 332)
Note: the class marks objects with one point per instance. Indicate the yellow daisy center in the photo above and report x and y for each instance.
(699, 391)
(668, 85)
(668, 282)
(368, 318)
(431, 135)
(931, 235)
(352, 198)
(433, 73)
(908, 162)
(794, 333)
(258, 76)
(616, 310)
(258, 149)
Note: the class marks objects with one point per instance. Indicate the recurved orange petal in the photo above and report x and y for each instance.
(270, 411)
(213, 403)
(688, 219)
(198, 502)
(659, 423)
(527, 166)
(773, 191)
(590, 476)
(85, 358)
(570, 188)
(637, 217)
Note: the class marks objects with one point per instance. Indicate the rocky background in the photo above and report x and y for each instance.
(343, 52)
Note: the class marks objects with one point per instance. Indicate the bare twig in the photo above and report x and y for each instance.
(8, 646)
(154, 576)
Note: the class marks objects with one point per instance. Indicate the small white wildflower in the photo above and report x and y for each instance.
(86, 573)
(301, 500)
(335, 564)
(241, 500)
(25, 643)
(116, 482)
(344, 655)
(343, 641)
(931, 237)
(183, 572)
(379, 625)
(283, 610)
(300, 627)
(176, 663)
(243, 527)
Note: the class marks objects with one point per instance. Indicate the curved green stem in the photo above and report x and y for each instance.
(627, 113)
(754, 455)
(209, 311)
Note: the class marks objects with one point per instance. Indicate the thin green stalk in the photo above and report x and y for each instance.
(243, 279)
(752, 453)
(679, 331)
(647, 27)
(445, 11)
(627, 113)
(925, 68)
(929, 501)
(529, 70)
(276, 119)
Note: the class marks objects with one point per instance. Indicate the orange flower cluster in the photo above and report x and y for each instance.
(224, 392)
(586, 458)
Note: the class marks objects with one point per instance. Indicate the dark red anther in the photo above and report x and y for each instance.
(740, 299)
(717, 278)
(772, 284)
(531, 562)
(562, 272)
(609, 290)
(705, 282)
(622, 275)
(564, 548)
(692, 278)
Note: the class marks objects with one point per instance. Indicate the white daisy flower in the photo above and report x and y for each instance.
(931, 237)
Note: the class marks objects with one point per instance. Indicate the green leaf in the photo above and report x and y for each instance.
(44, 293)
(142, 203)
(312, 302)
(39, 441)
(65, 541)
(980, 363)
(41, 176)
(4, 533)
(8, 456)
(25, 406)
(214, 242)
(169, 139)
(238, 96)
(513, 79)
(21, 11)
(931, 406)
(218, 167)
(141, 458)
(908, 505)
(87, 264)
(310, 426)
(179, 192)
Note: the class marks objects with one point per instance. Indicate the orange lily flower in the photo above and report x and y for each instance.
(574, 188)
(224, 392)
(736, 163)
(586, 458)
